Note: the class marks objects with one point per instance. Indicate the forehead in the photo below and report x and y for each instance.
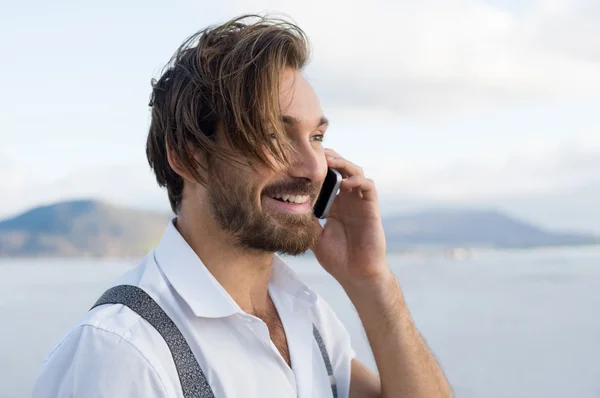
(298, 99)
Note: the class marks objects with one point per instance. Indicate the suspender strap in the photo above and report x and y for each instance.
(192, 379)
(326, 360)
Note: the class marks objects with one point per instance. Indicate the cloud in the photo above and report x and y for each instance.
(15, 183)
(569, 27)
(535, 171)
(555, 186)
(12, 178)
(132, 185)
(128, 185)
(440, 55)
(371, 60)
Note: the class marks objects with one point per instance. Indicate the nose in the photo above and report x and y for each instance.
(310, 162)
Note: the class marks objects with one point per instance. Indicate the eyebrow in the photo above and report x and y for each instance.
(295, 122)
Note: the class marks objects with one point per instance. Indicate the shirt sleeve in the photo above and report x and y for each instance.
(93, 362)
(338, 345)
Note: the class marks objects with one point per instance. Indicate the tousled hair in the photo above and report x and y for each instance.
(223, 79)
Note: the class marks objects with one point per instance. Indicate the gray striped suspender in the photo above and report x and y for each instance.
(192, 379)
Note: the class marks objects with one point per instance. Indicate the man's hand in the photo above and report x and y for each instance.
(351, 246)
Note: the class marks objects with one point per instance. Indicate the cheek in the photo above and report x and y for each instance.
(322, 169)
(258, 180)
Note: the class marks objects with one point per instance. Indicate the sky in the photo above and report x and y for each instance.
(444, 103)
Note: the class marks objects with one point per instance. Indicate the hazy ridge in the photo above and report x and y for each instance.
(100, 229)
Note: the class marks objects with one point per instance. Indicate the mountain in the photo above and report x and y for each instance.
(81, 228)
(95, 228)
(473, 228)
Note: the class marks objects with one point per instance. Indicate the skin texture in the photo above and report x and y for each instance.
(241, 226)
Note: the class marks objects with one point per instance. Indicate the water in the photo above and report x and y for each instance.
(502, 324)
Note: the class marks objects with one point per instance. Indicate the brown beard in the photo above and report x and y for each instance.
(236, 212)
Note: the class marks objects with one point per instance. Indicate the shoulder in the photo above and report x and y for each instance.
(111, 352)
(95, 361)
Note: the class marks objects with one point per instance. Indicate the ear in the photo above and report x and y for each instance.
(178, 167)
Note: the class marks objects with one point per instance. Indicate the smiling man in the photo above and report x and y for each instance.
(236, 138)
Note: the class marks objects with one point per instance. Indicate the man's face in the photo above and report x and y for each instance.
(272, 211)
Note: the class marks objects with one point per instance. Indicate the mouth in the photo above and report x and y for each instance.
(291, 203)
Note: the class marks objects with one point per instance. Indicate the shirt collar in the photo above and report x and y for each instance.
(190, 277)
(201, 291)
(288, 281)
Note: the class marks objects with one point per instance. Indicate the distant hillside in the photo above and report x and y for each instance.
(472, 228)
(94, 228)
(82, 227)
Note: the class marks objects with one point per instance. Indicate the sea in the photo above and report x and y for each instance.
(503, 324)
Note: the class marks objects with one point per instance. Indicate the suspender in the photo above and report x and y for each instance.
(192, 379)
(325, 356)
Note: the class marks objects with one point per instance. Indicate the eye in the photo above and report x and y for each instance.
(318, 137)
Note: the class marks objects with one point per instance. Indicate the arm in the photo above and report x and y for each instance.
(352, 248)
(93, 362)
(406, 365)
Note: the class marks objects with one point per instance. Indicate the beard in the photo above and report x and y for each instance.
(234, 208)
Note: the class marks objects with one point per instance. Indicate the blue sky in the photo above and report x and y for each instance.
(443, 102)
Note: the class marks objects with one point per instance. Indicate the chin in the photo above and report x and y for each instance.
(277, 237)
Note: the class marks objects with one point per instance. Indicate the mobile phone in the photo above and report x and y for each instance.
(329, 191)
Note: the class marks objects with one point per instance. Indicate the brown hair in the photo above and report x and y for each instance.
(225, 76)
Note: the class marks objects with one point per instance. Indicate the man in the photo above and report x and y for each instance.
(236, 138)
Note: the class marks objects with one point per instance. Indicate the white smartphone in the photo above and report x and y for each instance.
(330, 189)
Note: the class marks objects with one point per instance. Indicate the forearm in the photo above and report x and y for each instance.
(407, 367)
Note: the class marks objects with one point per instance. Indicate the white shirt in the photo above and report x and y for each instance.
(113, 352)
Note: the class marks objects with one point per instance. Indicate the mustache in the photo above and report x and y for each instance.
(298, 187)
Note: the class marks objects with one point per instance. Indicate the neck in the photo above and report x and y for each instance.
(243, 273)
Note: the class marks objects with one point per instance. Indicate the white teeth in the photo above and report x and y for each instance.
(292, 198)
(298, 199)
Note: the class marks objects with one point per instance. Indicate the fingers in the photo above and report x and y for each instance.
(345, 167)
(354, 179)
(360, 184)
